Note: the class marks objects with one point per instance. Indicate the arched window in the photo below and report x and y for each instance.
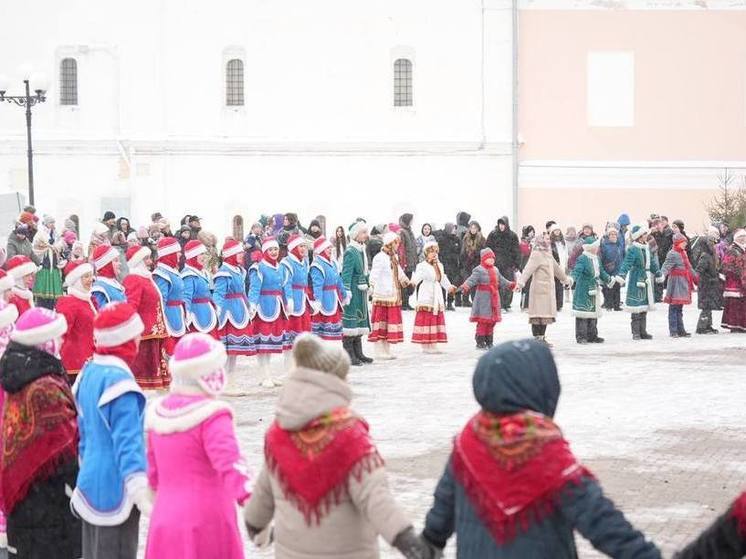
(234, 83)
(403, 83)
(68, 81)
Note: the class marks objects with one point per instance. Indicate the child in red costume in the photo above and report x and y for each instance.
(485, 309)
(151, 364)
(78, 310)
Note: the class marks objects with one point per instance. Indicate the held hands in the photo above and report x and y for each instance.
(143, 499)
(620, 280)
(660, 279)
(261, 538)
(452, 290)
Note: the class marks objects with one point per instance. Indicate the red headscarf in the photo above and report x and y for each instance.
(107, 271)
(267, 258)
(195, 263)
(171, 260)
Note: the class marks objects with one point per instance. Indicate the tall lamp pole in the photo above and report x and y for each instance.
(27, 101)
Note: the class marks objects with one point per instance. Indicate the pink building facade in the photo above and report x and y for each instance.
(634, 107)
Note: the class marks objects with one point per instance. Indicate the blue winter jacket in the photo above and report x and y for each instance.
(612, 254)
(112, 444)
(512, 377)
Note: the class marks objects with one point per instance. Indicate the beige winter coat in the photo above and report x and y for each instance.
(542, 268)
(349, 530)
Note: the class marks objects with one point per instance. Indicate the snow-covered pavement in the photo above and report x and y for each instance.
(659, 422)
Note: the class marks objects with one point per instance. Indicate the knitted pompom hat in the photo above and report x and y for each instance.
(37, 326)
(198, 365)
(310, 352)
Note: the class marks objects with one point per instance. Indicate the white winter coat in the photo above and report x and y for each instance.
(385, 289)
(430, 294)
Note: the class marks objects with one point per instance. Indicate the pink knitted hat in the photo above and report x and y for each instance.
(197, 365)
(37, 326)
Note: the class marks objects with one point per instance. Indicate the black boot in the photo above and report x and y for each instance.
(481, 342)
(581, 330)
(488, 340)
(644, 327)
(357, 346)
(636, 327)
(457, 297)
(347, 344)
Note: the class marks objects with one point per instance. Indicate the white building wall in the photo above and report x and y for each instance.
(318, 127)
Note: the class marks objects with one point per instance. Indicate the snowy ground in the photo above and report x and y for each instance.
(659, 422)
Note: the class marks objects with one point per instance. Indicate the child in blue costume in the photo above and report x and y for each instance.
(112, 479)
(270, 302)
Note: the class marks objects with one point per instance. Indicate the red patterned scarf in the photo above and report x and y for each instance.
(513, 469)
(40, 432)
(739, 513)
(314, 465)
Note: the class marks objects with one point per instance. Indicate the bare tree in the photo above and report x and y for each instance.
(729, 204)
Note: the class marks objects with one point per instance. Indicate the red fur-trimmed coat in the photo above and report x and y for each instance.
(77, 343)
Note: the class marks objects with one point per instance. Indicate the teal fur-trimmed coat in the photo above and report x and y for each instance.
(640, 270)
(355, 320)
(588, 274)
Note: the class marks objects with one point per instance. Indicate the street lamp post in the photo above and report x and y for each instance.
(26, 101)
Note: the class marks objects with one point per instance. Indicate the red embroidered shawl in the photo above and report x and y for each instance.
(40, 432)
(314, 465)
(513, 469)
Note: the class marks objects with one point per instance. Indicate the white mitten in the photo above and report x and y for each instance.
(143, 499)
(620, 280)
(642, 284)
(252, 311)
(362, 287)
(264, 538)
(290, 306)
(347, 299)
(660, 279)
(315, 306)
(722, 277)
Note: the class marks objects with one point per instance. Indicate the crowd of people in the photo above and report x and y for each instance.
(86, 329)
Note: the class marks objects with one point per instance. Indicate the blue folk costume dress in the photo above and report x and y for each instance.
(111, 449)
(329, 294)
(198, 306)
(295, 273)
(171, 289)
(106, 290)
(271, 298)
(232, 309)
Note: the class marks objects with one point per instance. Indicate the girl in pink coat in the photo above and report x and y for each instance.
(194, 463)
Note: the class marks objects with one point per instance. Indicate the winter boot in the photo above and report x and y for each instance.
(265, 372)
(644, 327)
(449, 305)
(357, 346)
(581, 330)
(458, 299)
(481, 342)
(488, 340)
(383, 353)
(347, 344)
(636, 327)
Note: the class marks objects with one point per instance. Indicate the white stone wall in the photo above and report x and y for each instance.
(318, 132)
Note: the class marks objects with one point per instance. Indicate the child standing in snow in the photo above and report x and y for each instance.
(387, 278)
(586, 299)
(194, 462)
(430, 322)
(487, 281)
(680, 284)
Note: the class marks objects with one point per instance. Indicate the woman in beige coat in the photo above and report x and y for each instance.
(323, 482)
(542, 302)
